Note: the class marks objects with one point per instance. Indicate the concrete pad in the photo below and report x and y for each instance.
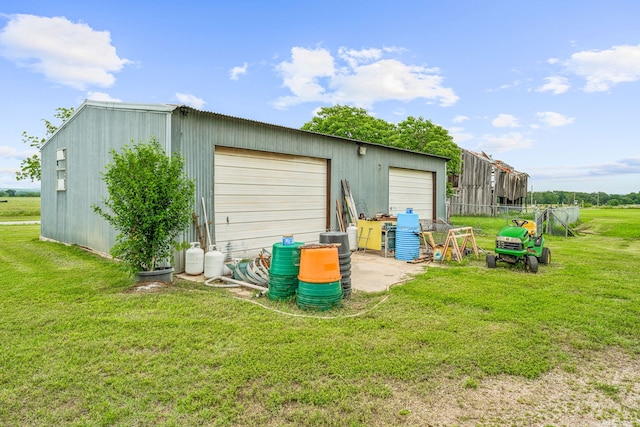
(371, 272)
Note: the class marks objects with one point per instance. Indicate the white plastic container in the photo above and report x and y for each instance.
(194, 259)
(213, 263)
(352, 234)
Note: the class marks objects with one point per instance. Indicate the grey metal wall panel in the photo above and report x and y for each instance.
(96, 128)
(88, 137)
(367, 174)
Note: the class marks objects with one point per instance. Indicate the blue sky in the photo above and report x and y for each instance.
(550, 87)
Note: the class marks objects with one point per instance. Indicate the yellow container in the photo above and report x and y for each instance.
(531, 228)
(437, 252)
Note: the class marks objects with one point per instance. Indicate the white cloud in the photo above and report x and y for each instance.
(623, 166)
(360, 77)
(302, 75)
(101, 96)
(617, 167)
(236, 72)
(505, 121)
(190, 100)
(7, 152)
(459, 135)
(394, 49)
(604, 69)
(72, 54)
(555, 85)
(552, 119)
(502, 143)
(356, 57)
(459, 119)
(514, 83)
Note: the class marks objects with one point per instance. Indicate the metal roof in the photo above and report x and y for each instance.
(166, 108)
(169, 108)
(355, 141)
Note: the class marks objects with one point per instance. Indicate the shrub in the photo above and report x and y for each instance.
(149, 204)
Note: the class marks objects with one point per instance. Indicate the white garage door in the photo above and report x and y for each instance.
(410, 188)
(259, 196)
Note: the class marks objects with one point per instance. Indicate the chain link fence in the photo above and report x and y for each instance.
(462, 209)
(559, 221)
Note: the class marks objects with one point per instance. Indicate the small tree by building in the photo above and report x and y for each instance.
(150, 202)
(30, 167)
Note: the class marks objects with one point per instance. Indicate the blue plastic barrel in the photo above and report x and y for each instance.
(407, 236)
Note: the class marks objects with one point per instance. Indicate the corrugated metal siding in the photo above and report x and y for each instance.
(98, 127)
(411, 189)
(368, 174)
(67, 216)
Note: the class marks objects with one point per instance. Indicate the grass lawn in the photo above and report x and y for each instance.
(77, 347)
(20, 209)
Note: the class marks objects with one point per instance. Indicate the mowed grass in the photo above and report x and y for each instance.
(20, 209)
(77, 347)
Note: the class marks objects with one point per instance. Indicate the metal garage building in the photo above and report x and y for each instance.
(259, 181)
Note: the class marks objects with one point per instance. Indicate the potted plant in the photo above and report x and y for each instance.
(149, 204)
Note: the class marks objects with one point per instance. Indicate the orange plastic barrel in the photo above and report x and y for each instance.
(319, 264)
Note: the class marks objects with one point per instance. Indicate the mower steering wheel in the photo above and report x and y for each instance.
(520, 222)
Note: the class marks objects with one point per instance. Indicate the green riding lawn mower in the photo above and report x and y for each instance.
(520, 243)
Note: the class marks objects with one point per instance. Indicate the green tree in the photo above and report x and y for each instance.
(150, 202)
(412, 134)
(353, 123)
(30, 167)
(423, 136)
(602, 198)
(546, 198)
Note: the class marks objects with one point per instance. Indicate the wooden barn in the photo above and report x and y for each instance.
(485, 185)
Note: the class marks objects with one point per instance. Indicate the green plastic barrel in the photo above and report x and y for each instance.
(319, 296)
(282, 288)
(283, 273)
(285, 259)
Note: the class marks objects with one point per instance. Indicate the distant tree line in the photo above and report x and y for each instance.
(582, 199)
(19, 193)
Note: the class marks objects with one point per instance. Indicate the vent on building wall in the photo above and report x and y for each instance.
(61, 169)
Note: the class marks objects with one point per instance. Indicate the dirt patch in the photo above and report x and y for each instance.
(601, 390)
(150, 287)
(604, 390)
